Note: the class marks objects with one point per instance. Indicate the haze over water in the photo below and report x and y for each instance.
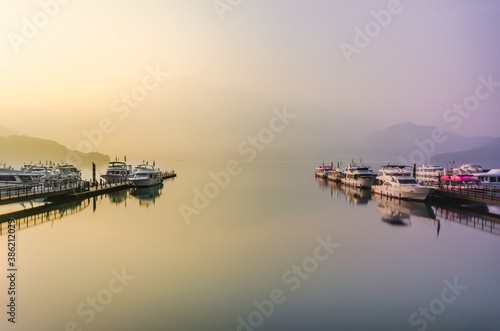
(270, 247)
(244, 246)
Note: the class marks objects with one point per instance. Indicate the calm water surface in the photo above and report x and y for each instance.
(309, 255)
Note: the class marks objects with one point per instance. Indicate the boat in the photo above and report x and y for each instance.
(490, 178)
(10, 177)
(15, 178)
(117, 171)
(145, 175)
(469, 167)
(396, 181)
(460, 178)
(67, 171)
(358, 176)
(322, 170)
(336, 175)
(429, 175)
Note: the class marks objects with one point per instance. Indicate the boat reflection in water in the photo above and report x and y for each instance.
(357, 196)
(118, 197)
(398, 212)
(353, 195)
(147, 195)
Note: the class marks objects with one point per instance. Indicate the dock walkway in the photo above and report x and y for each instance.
(488, 195)
(80, 190)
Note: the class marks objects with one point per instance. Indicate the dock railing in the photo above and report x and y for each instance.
(32, 191)
(482, 193)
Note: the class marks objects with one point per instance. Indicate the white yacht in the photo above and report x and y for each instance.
(396, 181)
(117, 171)
(469, 168)
(358, 176)
(336, 175)
(145, 175)
(10, 178)
(323, 170)
(429, 175)
(67, 171)
(490, 178)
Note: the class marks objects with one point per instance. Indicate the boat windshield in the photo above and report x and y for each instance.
(407, 181)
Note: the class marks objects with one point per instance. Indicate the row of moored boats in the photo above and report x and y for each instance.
(398, 181)
(63, 174)
(143, 175)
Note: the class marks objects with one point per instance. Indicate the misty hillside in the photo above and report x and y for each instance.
(401, 139)
(487, 155)
(23, 149)
(5, 131)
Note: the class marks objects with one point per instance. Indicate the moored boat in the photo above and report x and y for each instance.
(323, 170)
(490, 178)
(429, 175)
(396, 181)
(145, 175)
(117, 171)
(358, 176)
(460, 178)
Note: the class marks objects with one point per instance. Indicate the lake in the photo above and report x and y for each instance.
(253, 246)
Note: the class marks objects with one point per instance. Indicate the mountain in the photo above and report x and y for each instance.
(487, 155)
(15, 150)
(5, 131)
(408, 140)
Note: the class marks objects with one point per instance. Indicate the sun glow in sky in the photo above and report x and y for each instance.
(63, 64)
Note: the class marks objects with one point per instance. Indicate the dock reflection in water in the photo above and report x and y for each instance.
(41, 214)
(399, 212)
(36, 213)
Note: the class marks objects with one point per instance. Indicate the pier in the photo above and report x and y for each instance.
(74, 191)
(488, 195)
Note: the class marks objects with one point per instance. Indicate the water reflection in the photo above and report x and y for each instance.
(118, 197)
(36, 212)
(41, 214)
(400, 212)
(147, 195)
(353, 195)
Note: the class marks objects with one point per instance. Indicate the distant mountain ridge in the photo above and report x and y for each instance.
(5, 131)
(23, 149)
(408, 140)
(487, 155)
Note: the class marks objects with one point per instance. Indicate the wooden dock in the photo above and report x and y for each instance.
(487, 195)
(75, 191)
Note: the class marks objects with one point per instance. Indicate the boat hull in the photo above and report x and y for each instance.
(145, 182)
(366, 182)
(403, 192)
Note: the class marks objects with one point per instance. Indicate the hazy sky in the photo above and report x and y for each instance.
(62, 67)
